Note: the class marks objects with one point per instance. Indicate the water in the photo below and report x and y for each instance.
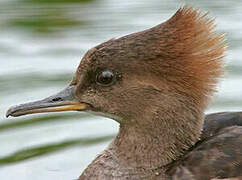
(41, 44)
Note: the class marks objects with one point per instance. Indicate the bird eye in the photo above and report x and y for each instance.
(105, 78)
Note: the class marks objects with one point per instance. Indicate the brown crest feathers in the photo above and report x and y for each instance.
(194, 53)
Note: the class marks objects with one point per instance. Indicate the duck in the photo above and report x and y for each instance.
(156, 84)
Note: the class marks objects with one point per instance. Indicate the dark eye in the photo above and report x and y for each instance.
(105, 78)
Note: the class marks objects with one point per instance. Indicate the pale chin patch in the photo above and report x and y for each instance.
(107, 115)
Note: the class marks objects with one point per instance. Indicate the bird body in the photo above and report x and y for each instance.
(156, 84)
(218, 154)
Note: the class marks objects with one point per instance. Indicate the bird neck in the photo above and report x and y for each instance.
(157, 140)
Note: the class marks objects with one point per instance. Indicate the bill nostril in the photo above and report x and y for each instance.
(57, 99)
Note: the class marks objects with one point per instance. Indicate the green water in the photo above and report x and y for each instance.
(41, 44)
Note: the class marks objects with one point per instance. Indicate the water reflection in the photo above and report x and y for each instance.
(42, 17)
(33, 152)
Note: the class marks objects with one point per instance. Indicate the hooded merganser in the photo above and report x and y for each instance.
(156, 84)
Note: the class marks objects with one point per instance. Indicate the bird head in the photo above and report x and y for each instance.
(172, 67)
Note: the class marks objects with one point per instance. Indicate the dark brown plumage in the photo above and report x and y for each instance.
(156, 84)
(219, 152)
